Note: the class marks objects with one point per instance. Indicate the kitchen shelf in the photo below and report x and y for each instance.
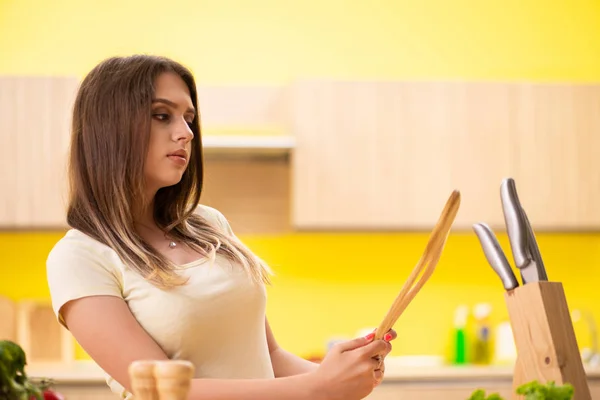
(249, 144)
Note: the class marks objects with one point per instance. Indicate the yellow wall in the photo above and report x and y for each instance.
(274, 41)
(354, 278)
(277, 40)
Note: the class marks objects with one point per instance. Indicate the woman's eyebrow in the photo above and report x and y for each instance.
(172, 104)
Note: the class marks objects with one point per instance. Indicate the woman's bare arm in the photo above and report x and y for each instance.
(108, 332)
(284, 362)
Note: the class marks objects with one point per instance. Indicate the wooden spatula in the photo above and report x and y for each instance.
(426, 264)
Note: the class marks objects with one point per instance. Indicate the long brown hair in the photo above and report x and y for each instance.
(109, 142)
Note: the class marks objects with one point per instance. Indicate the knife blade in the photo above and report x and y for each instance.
(495, 255)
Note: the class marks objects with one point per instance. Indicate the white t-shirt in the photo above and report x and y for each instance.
(216, 320)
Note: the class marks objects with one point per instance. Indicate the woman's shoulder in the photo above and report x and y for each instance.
(77, 248)
(214, 217)
(74, 239)
(208, 212)
(80, 266)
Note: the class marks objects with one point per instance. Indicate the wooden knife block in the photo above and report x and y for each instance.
(547, 349)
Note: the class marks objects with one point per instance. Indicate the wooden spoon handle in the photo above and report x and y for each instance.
(426, 264)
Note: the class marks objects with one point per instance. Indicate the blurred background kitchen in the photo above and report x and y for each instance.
(334, 133)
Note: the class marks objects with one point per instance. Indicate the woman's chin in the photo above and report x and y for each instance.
(172, 182)
(165, 181)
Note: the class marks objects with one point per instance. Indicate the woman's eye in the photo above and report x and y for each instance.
(161, 117)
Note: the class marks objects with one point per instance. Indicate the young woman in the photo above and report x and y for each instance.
(145, 272)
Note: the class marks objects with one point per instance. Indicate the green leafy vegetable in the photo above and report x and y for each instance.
(480, 395)
(14, 383)
(537, 391)
(533, 391)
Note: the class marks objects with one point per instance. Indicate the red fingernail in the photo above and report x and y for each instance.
(370, 336)
(387, 337)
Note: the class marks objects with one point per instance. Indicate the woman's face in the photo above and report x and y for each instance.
(170, 133)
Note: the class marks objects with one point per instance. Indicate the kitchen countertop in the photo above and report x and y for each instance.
(87, 372)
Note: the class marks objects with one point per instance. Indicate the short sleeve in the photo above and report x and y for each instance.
(79, 267)
(224, 223)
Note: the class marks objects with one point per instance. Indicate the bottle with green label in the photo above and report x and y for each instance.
(459, 336)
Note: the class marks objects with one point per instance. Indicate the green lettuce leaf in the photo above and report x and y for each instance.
(533, 391)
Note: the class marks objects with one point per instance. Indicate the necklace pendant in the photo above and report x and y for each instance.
(172, 245)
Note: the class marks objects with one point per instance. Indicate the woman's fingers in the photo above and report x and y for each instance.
(378, 374)
(375, 348)
(390, 335)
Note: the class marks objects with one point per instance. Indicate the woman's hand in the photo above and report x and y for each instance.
(379, 372)
(348, 371)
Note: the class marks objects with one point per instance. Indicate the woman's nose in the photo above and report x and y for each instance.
(183, 131)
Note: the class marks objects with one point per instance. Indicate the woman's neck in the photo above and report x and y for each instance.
(144, 214)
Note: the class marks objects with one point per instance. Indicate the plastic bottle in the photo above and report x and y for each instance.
(505, 351)
(460, 335)
(482, 344)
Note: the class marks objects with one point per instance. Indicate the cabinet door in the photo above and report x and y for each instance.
(252, 192)
(386, 155)
(556, 154)
(34, 139)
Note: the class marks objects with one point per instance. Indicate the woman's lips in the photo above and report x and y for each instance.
(178, 160)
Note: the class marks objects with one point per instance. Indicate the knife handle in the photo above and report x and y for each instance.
(495, 255)
(516, 224)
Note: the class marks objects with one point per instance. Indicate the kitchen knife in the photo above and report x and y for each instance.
(525, 250)
(495, 255)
